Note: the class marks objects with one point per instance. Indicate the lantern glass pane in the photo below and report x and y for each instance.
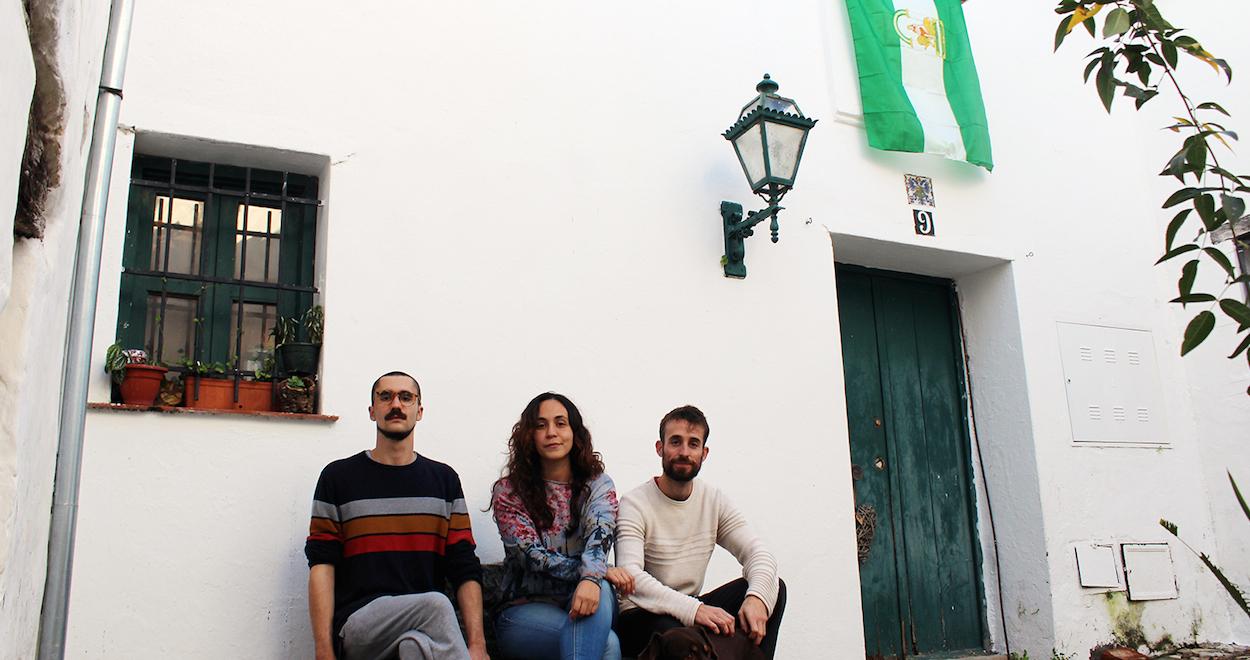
(781, 105)
(783, 149)
(751, 150)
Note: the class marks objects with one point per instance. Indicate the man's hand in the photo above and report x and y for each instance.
(321, 609)
(714, 619)
(621, 579)
(585, 599)
(476, 652)
(754, 618)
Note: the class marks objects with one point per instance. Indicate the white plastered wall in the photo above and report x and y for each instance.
(32, 328)
(511, 248)
(522, 199)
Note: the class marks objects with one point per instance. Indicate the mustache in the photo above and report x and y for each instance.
(395, 414)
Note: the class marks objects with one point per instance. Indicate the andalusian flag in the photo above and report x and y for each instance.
(917, 79)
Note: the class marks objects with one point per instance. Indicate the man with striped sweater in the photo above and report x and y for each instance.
(389, 528)
(666, 531)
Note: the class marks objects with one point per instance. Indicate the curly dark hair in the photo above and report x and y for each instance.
(524, 469)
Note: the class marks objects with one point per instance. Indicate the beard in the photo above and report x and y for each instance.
(396, 436)
(692, 471)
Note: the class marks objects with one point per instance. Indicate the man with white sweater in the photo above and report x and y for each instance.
(666, 531)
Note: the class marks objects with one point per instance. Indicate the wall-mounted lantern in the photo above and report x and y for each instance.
(768, 137)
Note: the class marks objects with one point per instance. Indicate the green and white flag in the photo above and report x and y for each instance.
(917, 79)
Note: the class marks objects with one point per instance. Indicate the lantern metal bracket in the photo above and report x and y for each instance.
(738, 229)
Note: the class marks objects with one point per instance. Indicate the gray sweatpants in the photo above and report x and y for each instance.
(412, 627)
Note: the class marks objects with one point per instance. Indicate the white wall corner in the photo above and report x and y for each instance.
(17, 70)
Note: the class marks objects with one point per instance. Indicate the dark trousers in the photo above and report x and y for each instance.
(635, 627)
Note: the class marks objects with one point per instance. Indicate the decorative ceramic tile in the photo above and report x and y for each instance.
(919, 190)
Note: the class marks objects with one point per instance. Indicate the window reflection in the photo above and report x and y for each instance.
(172, 344)
(256, 243)
(177, 234)
(256, 344)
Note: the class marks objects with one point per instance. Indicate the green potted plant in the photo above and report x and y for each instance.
(296, 395)
(294, 357)
(209, 386)
(137, 377)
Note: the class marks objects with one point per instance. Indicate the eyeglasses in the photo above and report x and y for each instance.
(405, 397)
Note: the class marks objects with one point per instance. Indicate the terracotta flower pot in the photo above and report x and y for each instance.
(218, 394)
(141, 384)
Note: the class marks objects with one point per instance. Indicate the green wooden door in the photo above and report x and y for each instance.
(920, 583)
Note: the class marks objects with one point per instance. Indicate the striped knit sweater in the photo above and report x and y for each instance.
(389, 530)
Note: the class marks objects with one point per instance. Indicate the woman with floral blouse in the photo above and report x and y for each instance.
(556, 512)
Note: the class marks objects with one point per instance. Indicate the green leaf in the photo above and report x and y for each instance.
(1170, 254)
(1193, 298)
(1234, 207)
(1089, 26)
(1237, 311)
(1175, 226)
(1089, 68)
(1245, 343)
(1222, 259)
(1117, 23)
(1150, 15)
(1176, 166)
(1188, 273)
(1169, 54)
(1205, 205)
(1214, 106)
(1105, 81)
(1062, 32)
(1182, 195)
(1196, 153)
(1233, 591)
(1170, 526)
(1197, 331)
(1219, 171)
(1240, 500)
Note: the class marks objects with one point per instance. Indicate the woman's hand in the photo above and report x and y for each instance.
(621, 579)
(585, 599)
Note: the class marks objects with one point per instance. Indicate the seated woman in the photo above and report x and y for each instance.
(556, 512)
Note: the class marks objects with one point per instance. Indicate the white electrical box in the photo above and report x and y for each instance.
(1096, 566)
(1112, 378)
(1148, 571)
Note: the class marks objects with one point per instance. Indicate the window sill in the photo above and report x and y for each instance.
(178, 410)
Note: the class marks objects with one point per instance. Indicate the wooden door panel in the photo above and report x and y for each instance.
(877, 574)
(920, 584)
(957, 575)
(906, 433)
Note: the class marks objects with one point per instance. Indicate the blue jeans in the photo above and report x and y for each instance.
(542, 631)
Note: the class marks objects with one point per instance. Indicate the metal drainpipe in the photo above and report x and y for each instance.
(82, 306)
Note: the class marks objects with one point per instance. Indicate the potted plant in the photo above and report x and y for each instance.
(139, 380)
(171, 391)
(294, 357)
(297, 395)
(208, 386)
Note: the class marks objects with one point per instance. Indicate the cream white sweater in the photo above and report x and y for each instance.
(666, 545)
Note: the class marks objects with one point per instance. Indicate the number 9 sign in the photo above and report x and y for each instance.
(924, 222)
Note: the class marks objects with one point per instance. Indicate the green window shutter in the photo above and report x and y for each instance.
(215, 292)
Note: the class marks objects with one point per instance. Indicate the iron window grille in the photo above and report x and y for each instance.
(213, 255)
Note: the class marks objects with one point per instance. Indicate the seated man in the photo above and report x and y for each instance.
(389, 526)
(666, 531)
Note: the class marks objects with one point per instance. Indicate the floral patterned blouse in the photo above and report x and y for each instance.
(546, 565)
